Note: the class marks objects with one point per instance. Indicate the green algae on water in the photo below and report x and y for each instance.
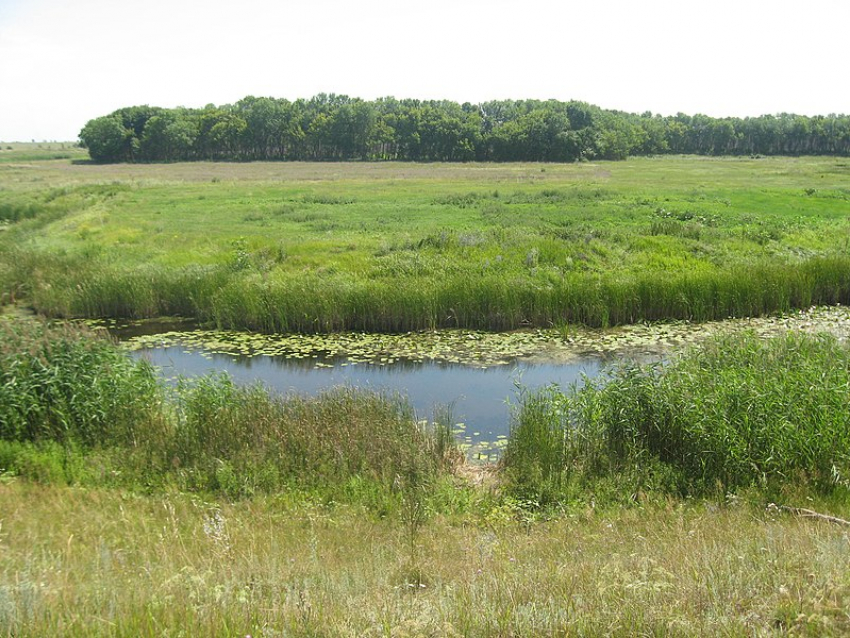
(482, 349)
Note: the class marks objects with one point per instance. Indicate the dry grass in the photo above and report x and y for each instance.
(82, 172)
(92, 563)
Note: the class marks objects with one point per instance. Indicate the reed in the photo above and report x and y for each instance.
(59, 384)
(734, 413)
(69, 399)
(510, 302)
(241, 440)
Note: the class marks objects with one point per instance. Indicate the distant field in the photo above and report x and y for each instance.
(38, 151)
(396, 246)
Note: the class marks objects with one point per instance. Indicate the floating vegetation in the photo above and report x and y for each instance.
(480, 349)
(450, 346)
(565, 346)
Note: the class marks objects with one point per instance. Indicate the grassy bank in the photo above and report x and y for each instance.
(394, 247)
(129, 510)
(735, 412)
(80, 562)
(74, 409)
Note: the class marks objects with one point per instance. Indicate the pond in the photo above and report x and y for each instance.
(478, 375)
(479, 397)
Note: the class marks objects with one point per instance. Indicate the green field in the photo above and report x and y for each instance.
(392, 246)
(638, 504)
(13, 152)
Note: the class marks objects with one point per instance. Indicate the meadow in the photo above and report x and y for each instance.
(14, 152)
(93, 562)
(639, 504)
(387, 247)
(643, 505)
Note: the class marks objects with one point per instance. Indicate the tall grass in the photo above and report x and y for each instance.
(100, 563)
(59, 384)
(84, 285)
(311, 304)
(733, 413)
(241, 440)
(16, 211)
(69, 399)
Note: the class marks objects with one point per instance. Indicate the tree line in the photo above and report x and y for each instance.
(337, 127)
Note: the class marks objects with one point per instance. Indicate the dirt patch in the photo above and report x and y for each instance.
(484, 475)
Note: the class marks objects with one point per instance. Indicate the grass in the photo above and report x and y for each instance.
(222, 510)
(92, 562)
(11, 152)
(74, 409)
(735, 412)
(394, 247)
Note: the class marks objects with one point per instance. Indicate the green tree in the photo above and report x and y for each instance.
(169, 137)
(107, 139)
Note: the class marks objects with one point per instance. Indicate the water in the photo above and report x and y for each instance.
(479, 397)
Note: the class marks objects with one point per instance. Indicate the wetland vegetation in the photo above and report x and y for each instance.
(735, 412)
(128, 509)
(75, 409)
(632, 504)
(293, 247)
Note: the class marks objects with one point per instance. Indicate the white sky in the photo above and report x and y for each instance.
(63, 62)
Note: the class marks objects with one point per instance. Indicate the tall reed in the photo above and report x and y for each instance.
(83, 285)
(506, 302)
(240, 440)
(59, 383)
(69, 398)
(735, 412)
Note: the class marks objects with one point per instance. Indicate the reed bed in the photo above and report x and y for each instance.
(59, 384)
(75, 409)
(242, 440)
(310, 304)
(736, 412)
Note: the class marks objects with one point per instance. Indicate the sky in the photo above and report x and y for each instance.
(64, 62)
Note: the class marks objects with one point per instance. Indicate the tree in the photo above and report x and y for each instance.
(169, 137)
(337, 127)
(107, 139)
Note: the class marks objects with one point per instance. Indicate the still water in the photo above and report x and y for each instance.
(480, 397)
